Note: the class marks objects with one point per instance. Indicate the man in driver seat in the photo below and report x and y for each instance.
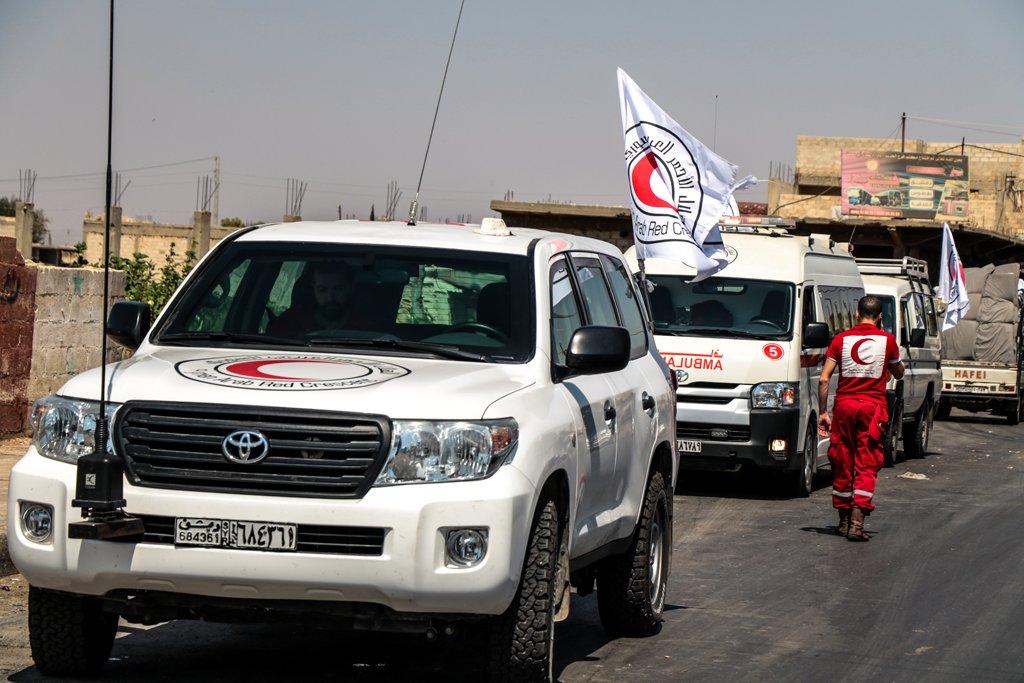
(321, 299)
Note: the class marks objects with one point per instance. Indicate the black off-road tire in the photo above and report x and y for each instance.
(800, 482)
(943, 409)
(915, 438)
(70, 634)
(623, 581)
(521, 641)
(1014, 411)
(891, 438)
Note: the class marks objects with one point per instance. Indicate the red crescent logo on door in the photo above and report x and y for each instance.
(855, 352)
(773, 351)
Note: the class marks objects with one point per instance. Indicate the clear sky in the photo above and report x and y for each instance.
(340, 94)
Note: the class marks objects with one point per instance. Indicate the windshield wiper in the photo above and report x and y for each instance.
(402, 345)
(713, 332)
(228, 337)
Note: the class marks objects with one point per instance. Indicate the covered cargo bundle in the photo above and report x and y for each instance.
(989, 333)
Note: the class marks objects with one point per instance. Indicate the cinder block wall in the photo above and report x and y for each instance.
(17, 316)
(49, 329)
(152, 239)
(67, 327)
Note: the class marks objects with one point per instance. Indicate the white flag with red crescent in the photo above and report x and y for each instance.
(952, 281)
(679, 188)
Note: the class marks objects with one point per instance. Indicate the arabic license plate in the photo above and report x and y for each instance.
(687, 446)
(229, 533)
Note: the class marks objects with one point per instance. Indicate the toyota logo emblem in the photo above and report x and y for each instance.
(245, 447)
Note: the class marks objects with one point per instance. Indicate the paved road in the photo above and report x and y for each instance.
(760, 590)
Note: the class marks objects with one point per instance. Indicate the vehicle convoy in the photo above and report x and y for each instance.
(748, 345)
(983, 355)
(430, 429)
(909, 314)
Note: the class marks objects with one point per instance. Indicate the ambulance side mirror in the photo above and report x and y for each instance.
(917, 337)
(816, 335)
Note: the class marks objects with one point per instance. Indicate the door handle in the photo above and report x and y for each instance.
(648, 403)
(609, 411)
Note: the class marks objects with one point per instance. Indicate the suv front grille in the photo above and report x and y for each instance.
(311, 453)
(310, 538)
(696, 430)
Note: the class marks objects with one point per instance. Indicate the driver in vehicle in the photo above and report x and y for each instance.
(321, 299)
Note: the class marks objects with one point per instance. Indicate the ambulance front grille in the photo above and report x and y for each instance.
(696, 430)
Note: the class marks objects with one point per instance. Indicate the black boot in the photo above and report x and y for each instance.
(857, 532)
(844, 521)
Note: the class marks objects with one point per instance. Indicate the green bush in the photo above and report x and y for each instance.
(144, 280)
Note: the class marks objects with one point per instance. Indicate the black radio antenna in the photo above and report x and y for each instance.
(99, 479)
(101, 423)
(416, 200)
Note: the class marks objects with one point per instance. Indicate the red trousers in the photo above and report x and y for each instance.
(856, 451)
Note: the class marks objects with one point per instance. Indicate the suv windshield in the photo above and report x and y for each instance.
(722, 306)
(455, 304)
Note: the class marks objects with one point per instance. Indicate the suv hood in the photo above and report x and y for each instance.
(395, 386)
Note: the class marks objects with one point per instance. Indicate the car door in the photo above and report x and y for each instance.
(637, 388)
(912, 319)
(591, 396)
(811, 360)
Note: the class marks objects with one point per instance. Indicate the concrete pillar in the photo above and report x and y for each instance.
(290, 218)
(24, 217)
(114, 248)
(201, 232)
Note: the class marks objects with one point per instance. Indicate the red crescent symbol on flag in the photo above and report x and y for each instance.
(254, 368)
(640, 178)
(855, 351)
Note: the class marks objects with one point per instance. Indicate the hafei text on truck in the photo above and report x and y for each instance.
(747, 346)
(431, 428)
(983, 355)
(909, 312)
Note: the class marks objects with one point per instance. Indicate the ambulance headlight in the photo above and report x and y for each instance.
(64, 427)
(775, 395)
(435, 451)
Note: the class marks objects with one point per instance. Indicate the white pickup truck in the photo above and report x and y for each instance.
(432, 428)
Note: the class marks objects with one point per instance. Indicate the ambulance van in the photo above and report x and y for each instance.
(747, 346)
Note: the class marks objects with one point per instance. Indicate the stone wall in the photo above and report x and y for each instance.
(152, 239)
(67, 327)
(17, 312)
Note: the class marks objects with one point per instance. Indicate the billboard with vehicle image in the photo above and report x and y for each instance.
(897, 185)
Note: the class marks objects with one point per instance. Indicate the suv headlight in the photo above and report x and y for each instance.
(774, 394)
(434, 451)
(64, 427)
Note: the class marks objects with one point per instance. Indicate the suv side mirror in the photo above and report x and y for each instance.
(917, 336)
(595, 349)
(128, 323)
(816, 335)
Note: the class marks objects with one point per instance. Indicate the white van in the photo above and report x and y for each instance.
(908, 313)
(748, 345)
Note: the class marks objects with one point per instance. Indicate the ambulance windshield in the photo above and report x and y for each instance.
(722, 306)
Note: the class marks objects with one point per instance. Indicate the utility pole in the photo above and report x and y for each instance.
(903, 133)
(216, 190)
(963, 141)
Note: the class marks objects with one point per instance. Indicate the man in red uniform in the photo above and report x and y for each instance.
(865, 356)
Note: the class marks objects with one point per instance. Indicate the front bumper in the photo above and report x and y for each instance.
(765, 425)
(409, 576)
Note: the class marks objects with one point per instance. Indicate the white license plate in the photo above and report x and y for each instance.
(229, 533)
(687, 446)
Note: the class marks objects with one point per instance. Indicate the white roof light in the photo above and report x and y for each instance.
(494, 227)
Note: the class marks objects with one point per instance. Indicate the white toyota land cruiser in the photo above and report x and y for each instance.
(398, 428)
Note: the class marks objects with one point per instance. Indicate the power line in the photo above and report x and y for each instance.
(992, 149)
(969, 125)
(100, 173)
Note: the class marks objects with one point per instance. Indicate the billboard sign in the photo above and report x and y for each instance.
(897, 185)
